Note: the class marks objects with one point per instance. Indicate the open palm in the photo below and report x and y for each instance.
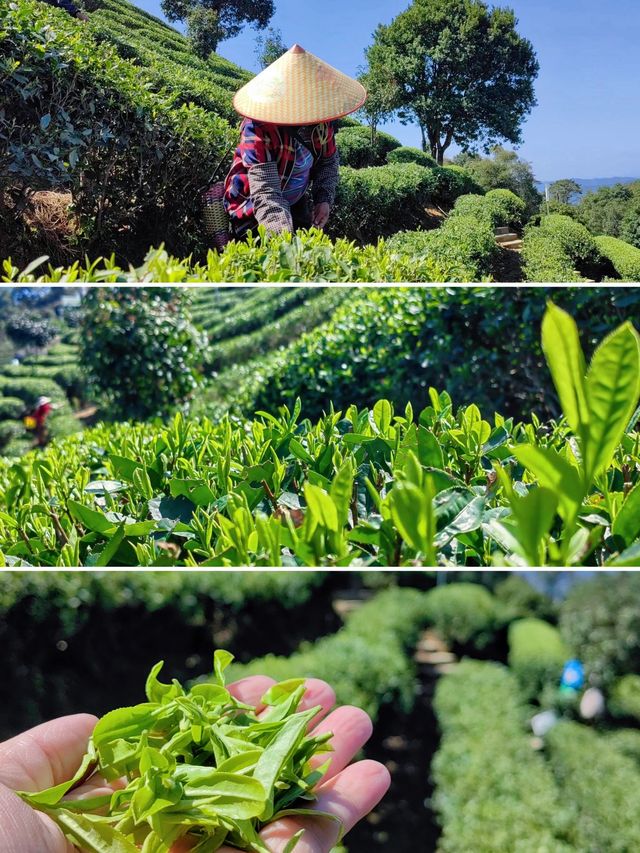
(51, 753)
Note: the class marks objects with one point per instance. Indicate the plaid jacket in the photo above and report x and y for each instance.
(262, 165)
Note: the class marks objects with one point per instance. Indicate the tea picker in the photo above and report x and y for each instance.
(69, 7)
(284, 172)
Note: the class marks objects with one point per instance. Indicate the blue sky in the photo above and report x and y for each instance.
(587, 122)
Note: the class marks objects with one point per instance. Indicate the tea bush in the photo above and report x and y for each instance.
(407, 154)
(77, 116)
(366, 487)
(378, 201)
(624, 698)
(561, 249)
(462, 613)
(601, 786)
(355, 148)
(493, 792)
(624, 257)
(140, 350)
(601, 619)
(366, 662)
(537, 655)
(479, 343)
(68, 598)
(11, 408)
(306, 256)
(499, 207)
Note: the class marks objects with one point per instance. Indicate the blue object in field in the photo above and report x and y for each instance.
(572, 674)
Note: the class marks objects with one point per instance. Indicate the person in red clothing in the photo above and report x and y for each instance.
(287, 144)
(40, 413)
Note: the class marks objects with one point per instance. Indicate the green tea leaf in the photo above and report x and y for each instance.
(613, 389)
(562, 349)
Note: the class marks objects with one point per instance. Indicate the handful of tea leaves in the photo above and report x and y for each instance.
(196, 764)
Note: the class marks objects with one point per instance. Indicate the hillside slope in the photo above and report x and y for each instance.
(166, 58)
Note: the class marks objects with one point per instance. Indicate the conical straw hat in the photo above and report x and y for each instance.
(299, 88)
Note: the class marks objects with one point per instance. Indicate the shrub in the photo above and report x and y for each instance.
(493, 792)
(9, 429)
(29, 388)
(407, 154)
(537, 655)
(378, 201)
(517, 598)
(400, 343)
(366, 661)
(600, 784)
(600, 621)
(306, 256)
(76, 115)
(140, 350)
(355, 148)
(462, 613)
(561, 249)
(11, 408)
(67, 598)
(624, 257)
(624, 697)
(499, 207)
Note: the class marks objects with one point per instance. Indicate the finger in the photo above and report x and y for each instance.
(24, 830)
(351, 728)
(349, 796)
(47, 754)
(250, 690)
(317, 693)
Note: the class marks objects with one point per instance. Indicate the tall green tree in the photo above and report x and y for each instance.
(269, 47)
(140, 350)
(211, 21)
(564, 190)
(459, 70)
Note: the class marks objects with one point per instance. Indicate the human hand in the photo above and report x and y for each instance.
(39, 758)
(51, 753)
(321, 214)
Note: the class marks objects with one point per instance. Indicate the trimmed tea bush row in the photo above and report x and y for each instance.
(598, 785)
(399, 343)
(537, 655)
(499, 207)
(561, 249)
(408, 154)
(462, 613)
(493, 792)
(366, 662)
(624, 257)
(381, 200)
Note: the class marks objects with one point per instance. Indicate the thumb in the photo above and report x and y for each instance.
(24, 830)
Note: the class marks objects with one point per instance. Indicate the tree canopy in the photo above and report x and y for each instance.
(459, 70)
(211, 21)
(269, 47)
(564, 190)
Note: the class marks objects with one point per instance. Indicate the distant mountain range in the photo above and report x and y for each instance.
(591, 184)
